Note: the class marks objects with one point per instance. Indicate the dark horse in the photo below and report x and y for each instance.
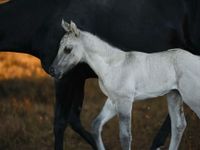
(34, 27)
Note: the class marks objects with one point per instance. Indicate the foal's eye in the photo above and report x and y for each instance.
(67, 50)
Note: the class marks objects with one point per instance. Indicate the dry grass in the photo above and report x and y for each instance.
(26, 112)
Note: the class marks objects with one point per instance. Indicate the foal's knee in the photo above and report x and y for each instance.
(125, 132)
(125, 139)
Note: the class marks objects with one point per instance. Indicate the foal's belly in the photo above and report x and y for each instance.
(142, 95)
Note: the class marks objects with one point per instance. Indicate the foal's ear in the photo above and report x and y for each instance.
(74, 29)
(66, 26)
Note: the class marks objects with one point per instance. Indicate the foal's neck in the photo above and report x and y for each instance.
(100, 55)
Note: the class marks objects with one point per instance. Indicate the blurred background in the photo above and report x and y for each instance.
(27, 103)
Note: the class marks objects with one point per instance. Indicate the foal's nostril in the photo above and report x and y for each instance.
(52, 71)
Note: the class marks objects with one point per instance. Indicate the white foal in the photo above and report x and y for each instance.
(128, 76)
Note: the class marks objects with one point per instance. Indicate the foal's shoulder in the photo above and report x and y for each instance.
(134, 57)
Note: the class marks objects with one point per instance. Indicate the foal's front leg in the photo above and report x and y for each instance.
(124, 109)
(105, 115)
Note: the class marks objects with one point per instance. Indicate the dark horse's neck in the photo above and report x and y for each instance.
(34, 26)
(26, 26)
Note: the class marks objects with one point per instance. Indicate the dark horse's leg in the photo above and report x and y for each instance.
(69, 98)
(162, 134)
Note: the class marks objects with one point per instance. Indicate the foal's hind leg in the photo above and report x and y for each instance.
(106, 114)
(178, 123)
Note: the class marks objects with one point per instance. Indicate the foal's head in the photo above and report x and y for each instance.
(70, 51)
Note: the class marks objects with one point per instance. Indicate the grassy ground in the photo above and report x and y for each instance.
(26, 112)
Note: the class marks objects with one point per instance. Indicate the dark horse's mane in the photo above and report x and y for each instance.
(33, 27)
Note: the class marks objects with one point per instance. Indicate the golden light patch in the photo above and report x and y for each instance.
(3, 1)
(18, 66)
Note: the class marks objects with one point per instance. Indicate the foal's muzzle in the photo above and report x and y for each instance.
(55, 73)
